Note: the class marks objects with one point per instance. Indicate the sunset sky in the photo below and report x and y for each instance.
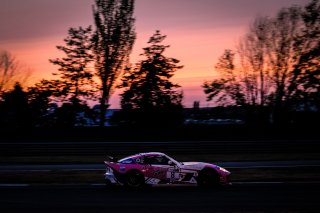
(198, 32)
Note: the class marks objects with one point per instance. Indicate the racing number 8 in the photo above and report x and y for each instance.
(172, 175)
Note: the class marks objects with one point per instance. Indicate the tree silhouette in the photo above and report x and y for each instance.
(14, 108)
(113, 41)
(227, 90)
(279, 64)
(11, 71)
(304, 80)
(69, 116)
(148, 88)
(253, 54)
(76, 77)
(41, 97)
(76, 84)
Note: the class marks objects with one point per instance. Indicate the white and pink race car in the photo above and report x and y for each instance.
(156, 168)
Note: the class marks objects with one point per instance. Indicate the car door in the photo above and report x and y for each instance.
(162, 168)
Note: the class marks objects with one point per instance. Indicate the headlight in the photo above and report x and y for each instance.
(223, 169)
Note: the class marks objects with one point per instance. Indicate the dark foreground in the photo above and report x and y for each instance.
(246, 197)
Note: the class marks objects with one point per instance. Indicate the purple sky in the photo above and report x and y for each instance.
(38, 18)
(198, 31)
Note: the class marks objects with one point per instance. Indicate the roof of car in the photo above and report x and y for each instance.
(151, 153)
(142, 154)
(145, 154)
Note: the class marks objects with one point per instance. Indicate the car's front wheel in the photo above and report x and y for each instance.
(134, 179)
(208, 178)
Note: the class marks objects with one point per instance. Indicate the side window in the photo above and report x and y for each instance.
(139, 160)
(156, 160)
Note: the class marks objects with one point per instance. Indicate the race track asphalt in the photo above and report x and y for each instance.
(245, 197)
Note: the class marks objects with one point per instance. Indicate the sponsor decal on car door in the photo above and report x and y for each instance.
(173, 174)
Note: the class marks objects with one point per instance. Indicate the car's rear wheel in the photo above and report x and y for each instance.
(134, 179)
(208, 178)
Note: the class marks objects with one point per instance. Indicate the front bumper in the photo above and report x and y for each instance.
(110, 178)
(225, 179)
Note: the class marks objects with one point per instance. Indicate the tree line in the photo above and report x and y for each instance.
(273, 71)
(95, 60)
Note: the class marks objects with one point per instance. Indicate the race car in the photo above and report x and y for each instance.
(155, 168)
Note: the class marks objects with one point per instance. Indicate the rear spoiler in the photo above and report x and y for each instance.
(110, 161)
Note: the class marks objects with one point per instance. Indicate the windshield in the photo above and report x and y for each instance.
(126, 161)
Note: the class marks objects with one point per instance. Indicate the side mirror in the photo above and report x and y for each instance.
(171, 163)
(112, 159)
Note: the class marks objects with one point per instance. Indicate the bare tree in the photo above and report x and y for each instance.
(8, 70)
(247, 83)
(229, 89)
(304, 81)
(11, 71)
(252, 50)
(279, 62)
(283, 32)
(113, 42)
